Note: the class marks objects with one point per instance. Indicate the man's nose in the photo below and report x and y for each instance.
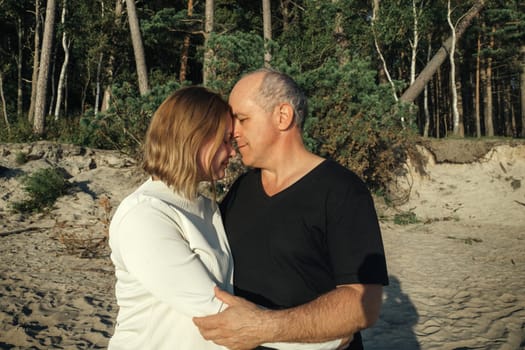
(236, 128)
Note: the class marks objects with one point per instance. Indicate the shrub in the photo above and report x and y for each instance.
(124, 125)
(406, 218)
(20, 131)
(234, 55)
(21, 158)
(356, 122)
(43, 187)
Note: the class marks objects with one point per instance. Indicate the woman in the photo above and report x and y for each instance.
(167, 242)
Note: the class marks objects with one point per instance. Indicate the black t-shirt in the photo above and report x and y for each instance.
(291, 247)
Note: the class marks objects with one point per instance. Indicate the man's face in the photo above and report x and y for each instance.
(254, 129)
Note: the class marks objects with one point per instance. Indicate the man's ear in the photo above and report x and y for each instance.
(286, 116)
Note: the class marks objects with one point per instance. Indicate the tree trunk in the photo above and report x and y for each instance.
(43, 75)
(285, 13)
(488, 100)
(508, 111)
(208, 73)
(417, 87)
(185, 48)
(106, 100)
(138, 47)
(375, 11)
(477, 111)
(453, 87)
(415, 41)
(63, 70)
(425, 100)
(97, 89)
(438, 107)
(2, 99)
(522, 88)
(267, 31)
(36, 63)
(19, 60)
(340, 37)
(51, 101)
(381, 74)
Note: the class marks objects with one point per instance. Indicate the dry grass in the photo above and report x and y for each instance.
(87, 241)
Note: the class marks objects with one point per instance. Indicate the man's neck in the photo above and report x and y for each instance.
(288, 169)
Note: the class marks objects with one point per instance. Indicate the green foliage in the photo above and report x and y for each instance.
(234, 54)
(232, 15)
(43, 187)
(124, 125)
(20, 131)
(406, 218)
(21, 158)
(355, 121)
(163, 35)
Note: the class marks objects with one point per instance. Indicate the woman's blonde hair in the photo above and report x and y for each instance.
(182, 124)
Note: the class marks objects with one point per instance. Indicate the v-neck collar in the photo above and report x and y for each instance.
(291, 187)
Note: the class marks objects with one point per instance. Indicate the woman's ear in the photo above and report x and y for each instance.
(286, 116)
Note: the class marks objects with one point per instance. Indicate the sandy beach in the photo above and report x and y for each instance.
(457, 270)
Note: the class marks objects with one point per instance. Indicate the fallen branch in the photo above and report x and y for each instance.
(22, 230)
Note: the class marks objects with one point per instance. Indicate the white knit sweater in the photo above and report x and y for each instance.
(169, 253)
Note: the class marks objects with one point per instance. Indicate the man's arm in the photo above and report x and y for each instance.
(336, 314)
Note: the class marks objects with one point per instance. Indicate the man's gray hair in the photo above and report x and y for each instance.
(277, 87)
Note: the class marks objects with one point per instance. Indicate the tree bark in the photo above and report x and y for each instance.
(36, 63)
(267, 31)
(43, 75)
(97, 89)
(417, 87)
(185, 48)
(19, 60)
(208, 73)
(285, 13)
(425, 100)
(488, 99)
(340, 37)
(2, 99)
(453, 88)
(438, 107)
(384, 68)
(63, 70)
(415, 40)
(138, 47)
(477, 108)
(106, 100)
(51, 102)
(508, 111)
(522, 88)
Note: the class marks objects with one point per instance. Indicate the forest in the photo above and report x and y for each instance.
(377, 73)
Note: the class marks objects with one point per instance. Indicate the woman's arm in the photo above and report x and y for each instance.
(154, 252)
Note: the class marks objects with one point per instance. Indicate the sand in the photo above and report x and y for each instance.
(457, 271)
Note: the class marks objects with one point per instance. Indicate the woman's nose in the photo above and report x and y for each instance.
(232, 151)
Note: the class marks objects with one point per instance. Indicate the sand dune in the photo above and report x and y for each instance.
(457, 274)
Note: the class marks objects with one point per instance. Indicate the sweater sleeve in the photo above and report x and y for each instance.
(154, 252)
(328, 345)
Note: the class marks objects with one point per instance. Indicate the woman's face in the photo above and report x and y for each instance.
(217, 162)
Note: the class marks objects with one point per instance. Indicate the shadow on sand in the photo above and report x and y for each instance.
(395, 327)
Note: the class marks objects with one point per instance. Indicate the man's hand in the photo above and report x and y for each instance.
(238, 327)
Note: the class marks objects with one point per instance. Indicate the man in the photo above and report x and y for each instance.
(303, 231)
